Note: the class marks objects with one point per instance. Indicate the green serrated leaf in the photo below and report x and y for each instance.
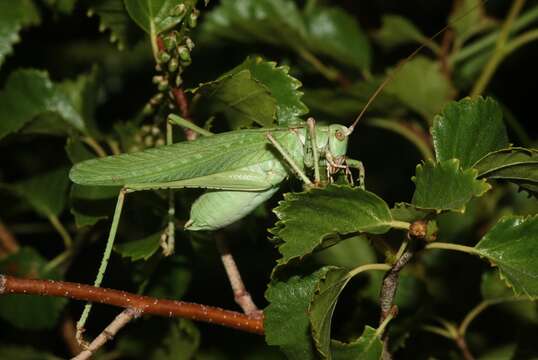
(468, 130)
(322, 307)
(444, 186)
(156, 16)
(493, 288)
(181, 342)
(47, 192)
(283, 87)
(348, 253)
(242, 98)
(496, 292)
(113, 15)
(334, 33)
(25, 311)
(322, 30)
(321, 311)
(431, 89)
(83, 93)
(276, 22)
(315, 218)
(368, 347)
(518, 165)
(396, 30)
(140, 249)
(286, 320)
(29, 93)
(511, 245)
(15, 15)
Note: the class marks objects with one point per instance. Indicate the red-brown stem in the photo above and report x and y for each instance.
(183, 105)
(148, 305)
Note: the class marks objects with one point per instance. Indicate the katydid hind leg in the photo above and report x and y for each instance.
(104, 262)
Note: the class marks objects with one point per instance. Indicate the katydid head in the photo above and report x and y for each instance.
(338, 138)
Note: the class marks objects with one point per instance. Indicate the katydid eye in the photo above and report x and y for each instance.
(339, 135)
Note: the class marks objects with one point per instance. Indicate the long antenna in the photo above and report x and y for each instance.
(405, 61)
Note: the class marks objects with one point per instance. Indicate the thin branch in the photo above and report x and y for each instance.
(241, 295)
(388, 292)
(146, 304)
(462, 345)
(8, 240)
(109, 332)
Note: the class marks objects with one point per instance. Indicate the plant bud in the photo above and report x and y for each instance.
(178, 10)
(184, 54)
(173, 65)
(157, 79)
(179, 80)
(189, 43)
(164, 57)
(193, 18)
(163, 86)
(169, 43)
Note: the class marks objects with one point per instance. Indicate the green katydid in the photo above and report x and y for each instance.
(242, 168)
(245, 166)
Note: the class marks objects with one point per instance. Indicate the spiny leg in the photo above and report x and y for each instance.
(311, 122)
(289, 159)
(104, 262)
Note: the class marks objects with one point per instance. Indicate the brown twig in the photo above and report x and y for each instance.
(388, 292)
(109, 332)
(7, 240)
(241, 295)
(146, 304)
(462, 345)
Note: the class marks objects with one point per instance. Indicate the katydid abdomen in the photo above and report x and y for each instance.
(217, 209)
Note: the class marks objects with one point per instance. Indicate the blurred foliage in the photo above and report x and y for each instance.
(83, 79)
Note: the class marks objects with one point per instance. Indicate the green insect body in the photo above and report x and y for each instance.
(242, 167)
(207, 211)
